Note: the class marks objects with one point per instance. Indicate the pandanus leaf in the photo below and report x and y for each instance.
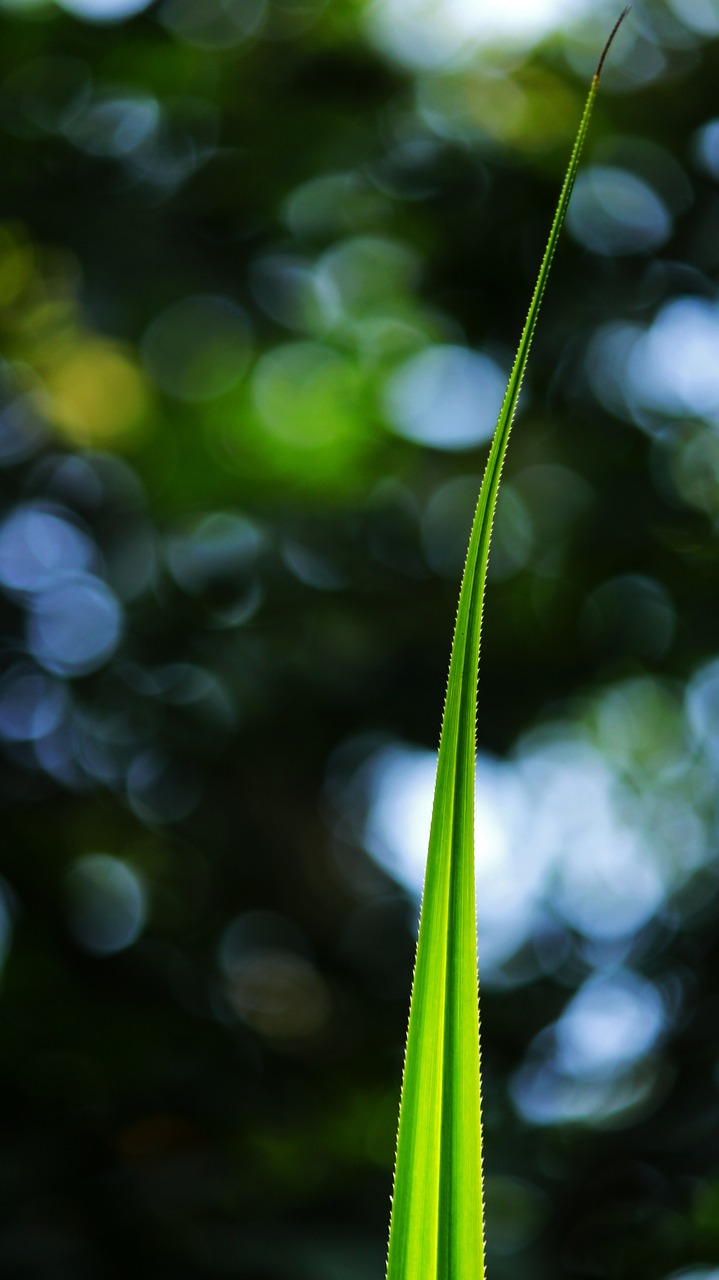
(436, 1229)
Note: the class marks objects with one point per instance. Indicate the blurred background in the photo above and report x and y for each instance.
(263, 266)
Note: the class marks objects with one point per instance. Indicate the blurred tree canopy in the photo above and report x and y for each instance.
(263, 264)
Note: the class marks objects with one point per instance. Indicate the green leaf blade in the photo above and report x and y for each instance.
(437, 1227)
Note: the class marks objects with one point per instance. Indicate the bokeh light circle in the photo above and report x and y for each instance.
(104, 10)
(446, 396)
(198, 348)
(75, 626)
(105, 903)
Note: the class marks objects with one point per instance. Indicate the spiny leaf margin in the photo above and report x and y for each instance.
(437, 1221)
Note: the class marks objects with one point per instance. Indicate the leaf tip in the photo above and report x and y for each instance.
(607, 46)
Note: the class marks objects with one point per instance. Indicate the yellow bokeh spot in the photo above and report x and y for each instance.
(95, 394)
(17, 263)
(530, 109)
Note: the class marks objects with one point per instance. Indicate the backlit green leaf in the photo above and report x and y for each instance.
(436, 1230)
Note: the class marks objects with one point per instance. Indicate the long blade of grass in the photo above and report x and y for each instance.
(436, 1229)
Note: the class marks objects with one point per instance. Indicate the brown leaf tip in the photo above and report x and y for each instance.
(607, 46)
